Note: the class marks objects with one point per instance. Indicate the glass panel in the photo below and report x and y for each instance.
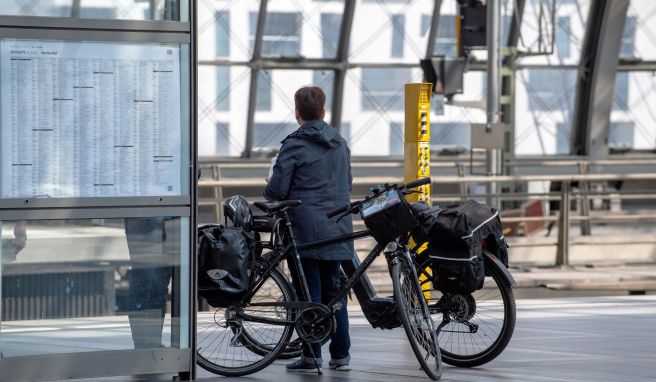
(537, 32)
(563, 37)
(373, 101)
(175, 10)
(383, 88)
(221, 111)
(300, 28)
(640, 28)
(450, 131)
(398, 22)
(274, 123)
(389, 31)
(633, 122)
(124, 286)
(91, 119)
(445, 41)
(223, 29)
(330, 28)
(396, 139)
(263, 100)
(544, 106)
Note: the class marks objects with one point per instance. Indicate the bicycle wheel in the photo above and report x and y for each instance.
(224, 339)
(479, 326)
(416, 318)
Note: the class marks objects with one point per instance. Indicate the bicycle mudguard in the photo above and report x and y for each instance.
(495, 262)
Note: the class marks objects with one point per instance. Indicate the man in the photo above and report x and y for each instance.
(314, 166)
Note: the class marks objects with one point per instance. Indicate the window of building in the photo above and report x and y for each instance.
(263, 96)
(627, 47)
(563, 138)
(398, 30)
(621, 92)
(269, 135)
(445, 41)
(563, 37)
(620, 135)
(223, 88)
(222, 139)
(382, 89)
(222, 25)
(450, 135)
(550, 89)
(345, 130)
(396, 139)
(325, 79)
(330, 27)
(281, 35)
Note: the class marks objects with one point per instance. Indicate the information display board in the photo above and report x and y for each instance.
(86, 119)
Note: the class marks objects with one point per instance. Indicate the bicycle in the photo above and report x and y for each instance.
(250, 334)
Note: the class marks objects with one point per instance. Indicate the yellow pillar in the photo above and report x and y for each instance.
(416, 148)
(416, 142)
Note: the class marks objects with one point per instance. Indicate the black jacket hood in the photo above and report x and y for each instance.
(318, 131)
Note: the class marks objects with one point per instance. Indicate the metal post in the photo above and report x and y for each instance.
(75, 9)
(342, 58)
(255, 73)
(492, 156)
(584, 187)
(562, 254)
(432, 33)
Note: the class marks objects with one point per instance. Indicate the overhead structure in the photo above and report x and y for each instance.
(595, 89)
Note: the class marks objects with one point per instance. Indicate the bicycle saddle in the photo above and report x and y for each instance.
(270, 207)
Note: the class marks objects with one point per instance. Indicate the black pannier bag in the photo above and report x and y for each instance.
(225, 261)
(455, 235)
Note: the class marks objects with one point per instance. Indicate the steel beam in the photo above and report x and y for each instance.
(341, 61)
(255, 73)
(493, 161)
(594, 93)
(432, 33)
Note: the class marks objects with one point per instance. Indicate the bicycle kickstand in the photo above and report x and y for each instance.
(314, 357)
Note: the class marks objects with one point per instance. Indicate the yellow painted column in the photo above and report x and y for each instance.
(416, 141)
(416, 149)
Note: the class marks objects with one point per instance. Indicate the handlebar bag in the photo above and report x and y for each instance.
(387, 216)
(225, 263)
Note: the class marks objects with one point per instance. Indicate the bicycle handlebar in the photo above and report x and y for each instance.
(409, 185)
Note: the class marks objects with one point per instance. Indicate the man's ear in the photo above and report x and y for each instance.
(323, 113)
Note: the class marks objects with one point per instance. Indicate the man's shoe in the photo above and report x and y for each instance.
(340, 364)
(305, 364)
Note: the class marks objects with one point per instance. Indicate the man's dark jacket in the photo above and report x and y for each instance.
(314, 166)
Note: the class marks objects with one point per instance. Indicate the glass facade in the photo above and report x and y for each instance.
(175, 10)
(124, 285)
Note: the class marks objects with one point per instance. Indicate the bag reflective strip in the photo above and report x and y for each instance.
(480, 225)
(452, 259)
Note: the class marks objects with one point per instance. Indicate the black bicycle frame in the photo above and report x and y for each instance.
(354, 270)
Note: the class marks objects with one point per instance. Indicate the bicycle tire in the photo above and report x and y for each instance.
(413, 311)
(211, 334)
(487, 308)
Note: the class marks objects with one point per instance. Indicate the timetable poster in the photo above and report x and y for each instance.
(89, 119)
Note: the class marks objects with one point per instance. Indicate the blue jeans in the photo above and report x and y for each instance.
(323, 281)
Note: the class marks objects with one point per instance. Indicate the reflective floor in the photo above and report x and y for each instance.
(572, 339)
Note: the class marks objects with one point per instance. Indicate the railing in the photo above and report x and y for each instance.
(565, 197)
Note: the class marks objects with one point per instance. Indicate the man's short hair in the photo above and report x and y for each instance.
(310, 102)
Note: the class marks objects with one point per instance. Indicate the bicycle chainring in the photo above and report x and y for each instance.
(314, 324)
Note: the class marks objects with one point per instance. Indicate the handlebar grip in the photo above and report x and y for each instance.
(418, 182)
